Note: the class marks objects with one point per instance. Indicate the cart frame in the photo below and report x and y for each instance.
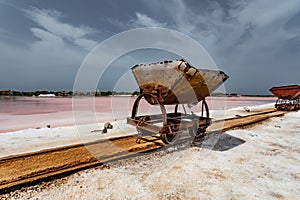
(288, 97)
(169, 125)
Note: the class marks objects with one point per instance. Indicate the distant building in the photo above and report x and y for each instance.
(235, 95)
(6, 92)
(46, 95)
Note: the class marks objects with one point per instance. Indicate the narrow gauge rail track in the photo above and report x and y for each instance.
(22, 170)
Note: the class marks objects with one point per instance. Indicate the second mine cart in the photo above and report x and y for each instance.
(174, 83)
(288, 97)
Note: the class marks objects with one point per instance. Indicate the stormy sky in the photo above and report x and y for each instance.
(43, 43)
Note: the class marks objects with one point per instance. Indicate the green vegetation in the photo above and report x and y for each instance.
(34, 93)
(136, 93)
(65, 93)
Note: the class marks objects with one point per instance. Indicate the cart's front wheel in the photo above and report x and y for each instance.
(172, 134)
(197, 132)
(168, 138)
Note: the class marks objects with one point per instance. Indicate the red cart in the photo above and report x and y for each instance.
(288, 97)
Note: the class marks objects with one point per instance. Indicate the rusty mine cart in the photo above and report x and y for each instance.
(173, 83)
(288, 97)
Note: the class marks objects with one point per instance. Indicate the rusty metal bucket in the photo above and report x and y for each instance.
(176, 82)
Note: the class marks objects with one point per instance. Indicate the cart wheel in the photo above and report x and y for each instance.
(168, 138)
(200, 132)
(197, 132)
(198, 135)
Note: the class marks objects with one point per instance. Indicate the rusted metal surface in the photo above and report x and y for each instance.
(288, 97)
(176, 82)
(168, 125)
(289, 92)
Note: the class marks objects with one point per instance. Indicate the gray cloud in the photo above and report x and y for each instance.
(248, 39)
(256, 42)
(49, 20)
(49, 62)
(144, 20)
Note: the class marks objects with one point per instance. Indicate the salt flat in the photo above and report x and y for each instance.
(30, 140)
(265, 165)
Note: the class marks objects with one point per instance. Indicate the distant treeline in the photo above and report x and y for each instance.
(220, 94)
(101, 93)
(64, 93)
(34, 93)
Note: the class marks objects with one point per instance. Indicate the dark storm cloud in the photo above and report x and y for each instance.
(42, 43)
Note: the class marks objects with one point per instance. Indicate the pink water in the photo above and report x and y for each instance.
(31, 112)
